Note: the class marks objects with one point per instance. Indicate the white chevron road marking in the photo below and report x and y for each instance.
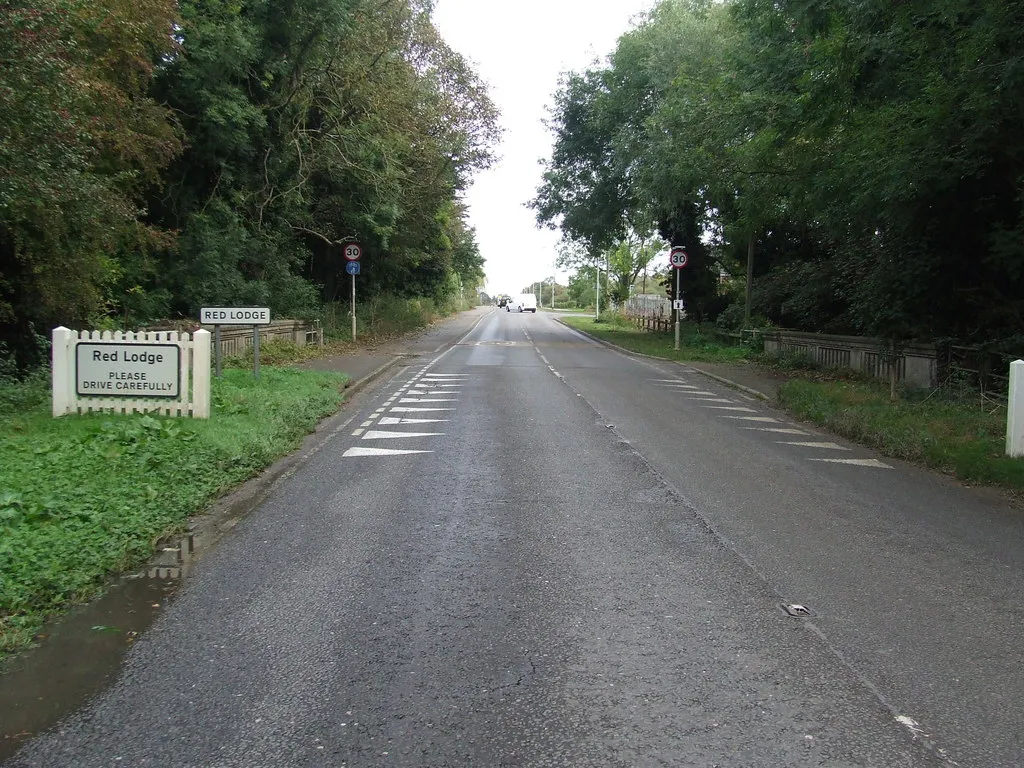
(383, 434)
(355, 452)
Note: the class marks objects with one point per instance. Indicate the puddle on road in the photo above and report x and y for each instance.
(81, 652)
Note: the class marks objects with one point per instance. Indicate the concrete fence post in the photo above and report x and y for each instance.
(201, 374)
(62, 385)
(1015, 411)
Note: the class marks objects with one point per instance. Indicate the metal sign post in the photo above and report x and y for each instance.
(256, 352)
(216, 347)
(218, 316)
(677, 311)
(678, 258)
(352, 252)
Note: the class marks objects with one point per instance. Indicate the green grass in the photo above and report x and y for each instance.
(85, 497)
(693, 346)
(948, 434)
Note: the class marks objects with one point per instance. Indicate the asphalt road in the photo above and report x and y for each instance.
(531, 550)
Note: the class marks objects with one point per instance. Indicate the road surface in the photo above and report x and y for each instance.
(532, 550)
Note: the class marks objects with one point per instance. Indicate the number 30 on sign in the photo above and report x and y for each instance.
(678, 258)
(353, 251)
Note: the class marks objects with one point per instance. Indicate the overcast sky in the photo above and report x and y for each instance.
(519, 48)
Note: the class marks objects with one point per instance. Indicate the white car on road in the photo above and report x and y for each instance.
(524, 302)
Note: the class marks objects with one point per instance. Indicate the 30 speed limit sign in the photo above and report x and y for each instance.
(353, 251)
(677, 257)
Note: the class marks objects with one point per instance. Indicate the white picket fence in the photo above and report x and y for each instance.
(193, 397)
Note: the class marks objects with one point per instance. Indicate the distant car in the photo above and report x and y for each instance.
(503, 301)
(524, 302)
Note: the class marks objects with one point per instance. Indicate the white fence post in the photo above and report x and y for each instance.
(60, 347)
(201, 374)
(1015, 411)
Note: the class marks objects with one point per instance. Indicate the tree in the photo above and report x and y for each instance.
(80, 142)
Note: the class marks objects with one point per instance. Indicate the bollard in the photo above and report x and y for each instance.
(1015, 411)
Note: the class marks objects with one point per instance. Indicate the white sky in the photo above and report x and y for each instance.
(519, 48)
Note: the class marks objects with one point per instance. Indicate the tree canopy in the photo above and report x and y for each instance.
(157, 155)
(871, 151)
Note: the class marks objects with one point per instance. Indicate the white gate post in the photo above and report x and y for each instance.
(60, 350)
(1015, 411)
(201, 374)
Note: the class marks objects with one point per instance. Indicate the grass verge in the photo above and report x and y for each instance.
(934, 429)
(692, 344)
(85, 497)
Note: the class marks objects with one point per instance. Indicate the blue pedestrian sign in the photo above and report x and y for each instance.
(352, 267)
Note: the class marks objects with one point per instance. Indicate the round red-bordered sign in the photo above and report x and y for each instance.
(352, 251)
(678, 257)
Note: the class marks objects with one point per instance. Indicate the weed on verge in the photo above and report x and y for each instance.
(86, 497)
(693, 345)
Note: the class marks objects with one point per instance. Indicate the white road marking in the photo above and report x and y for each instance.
(428, 400)
(418, 410)
(911, 724)
(741, 408)
(780, 430)
(367, 423)
(381, 409)
(357, 432)
(445, 375)
(711, 400)
(351, 452)
(857, 462)
(421, 392)
(830, 446)
(381, 434)
(388, 421)
(766, 419)
(703, 392)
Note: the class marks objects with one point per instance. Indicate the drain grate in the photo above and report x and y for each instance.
(795, 609)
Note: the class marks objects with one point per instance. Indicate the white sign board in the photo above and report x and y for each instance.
(678, 304)
(234, 316)
(110, 369)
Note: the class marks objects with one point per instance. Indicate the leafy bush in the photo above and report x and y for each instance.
(383, 317)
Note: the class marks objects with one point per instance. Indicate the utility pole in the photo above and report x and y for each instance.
(597, 291)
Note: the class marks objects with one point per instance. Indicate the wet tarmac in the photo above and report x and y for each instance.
(80, 653)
